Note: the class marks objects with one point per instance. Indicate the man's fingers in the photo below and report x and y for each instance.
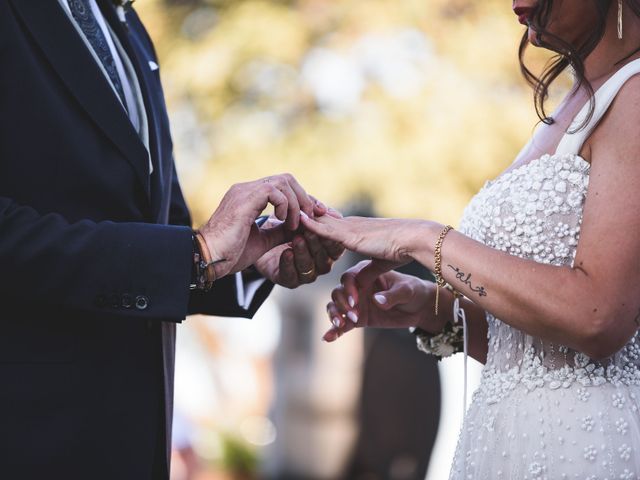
(319, 208)
(287, 274)
(333, 249)
(303, 261)
(304, 201)
(279, 183)
(279, 201)
(293, 207)
(320, 255)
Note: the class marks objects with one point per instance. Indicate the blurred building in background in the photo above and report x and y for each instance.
(411, 103)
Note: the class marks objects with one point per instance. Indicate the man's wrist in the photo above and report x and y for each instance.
(202, 270)
(193, 282)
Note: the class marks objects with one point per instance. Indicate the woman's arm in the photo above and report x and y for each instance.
(593, 306)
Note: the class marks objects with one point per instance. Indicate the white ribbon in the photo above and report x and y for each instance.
(459, 315)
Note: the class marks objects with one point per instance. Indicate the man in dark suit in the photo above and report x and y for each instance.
(98, 261)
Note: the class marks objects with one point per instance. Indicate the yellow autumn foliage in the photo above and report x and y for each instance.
(244, 104)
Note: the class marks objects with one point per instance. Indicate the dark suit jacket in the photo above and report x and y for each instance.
(95, 257)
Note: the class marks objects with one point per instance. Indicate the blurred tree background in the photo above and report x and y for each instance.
(412, 103)
(409, 104)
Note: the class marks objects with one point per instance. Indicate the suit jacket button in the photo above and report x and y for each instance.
(114, 300)
(100, 301)
(142, 302)
(127, 301)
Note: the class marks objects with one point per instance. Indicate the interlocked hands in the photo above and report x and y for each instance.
(281, 250)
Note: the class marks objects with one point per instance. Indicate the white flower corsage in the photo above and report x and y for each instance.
(442, 345)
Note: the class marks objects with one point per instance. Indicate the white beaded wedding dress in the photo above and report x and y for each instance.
(544, 411)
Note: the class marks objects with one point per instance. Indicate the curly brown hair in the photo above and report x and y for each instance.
(567, 55)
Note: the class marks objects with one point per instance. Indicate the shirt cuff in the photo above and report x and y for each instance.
(245, 291)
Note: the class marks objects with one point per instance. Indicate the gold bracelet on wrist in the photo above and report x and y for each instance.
(438, 265)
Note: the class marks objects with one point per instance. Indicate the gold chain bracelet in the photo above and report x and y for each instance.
(438, 265)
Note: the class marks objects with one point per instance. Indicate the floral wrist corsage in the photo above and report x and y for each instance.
(443, 344)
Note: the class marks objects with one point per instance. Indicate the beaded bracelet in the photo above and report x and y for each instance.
(205, 272)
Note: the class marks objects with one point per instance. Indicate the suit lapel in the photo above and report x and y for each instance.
(78, 70)
(137, 57)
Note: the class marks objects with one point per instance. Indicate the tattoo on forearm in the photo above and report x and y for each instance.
(466, 279)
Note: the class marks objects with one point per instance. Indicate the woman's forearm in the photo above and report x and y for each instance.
(559, 304)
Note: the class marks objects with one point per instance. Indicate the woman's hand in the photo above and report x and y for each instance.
(383, 238)
(371, 296)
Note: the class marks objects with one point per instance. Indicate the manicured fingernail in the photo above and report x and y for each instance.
(352, 302)
(353, 317)
(381, 299)
(336, 322)
(321, 205)
(303, 215)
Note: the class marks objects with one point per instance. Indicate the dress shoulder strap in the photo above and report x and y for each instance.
(571, 143)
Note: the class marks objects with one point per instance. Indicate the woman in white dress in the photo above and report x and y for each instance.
(547, 258)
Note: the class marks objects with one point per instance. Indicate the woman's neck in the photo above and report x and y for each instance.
(606, 57)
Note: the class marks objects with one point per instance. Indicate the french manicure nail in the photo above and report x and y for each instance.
(303, 215)
(381, 299)
(336, 322)
(353, 317)
(352, 302)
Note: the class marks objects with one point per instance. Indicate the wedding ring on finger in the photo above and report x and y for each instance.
(308, 273)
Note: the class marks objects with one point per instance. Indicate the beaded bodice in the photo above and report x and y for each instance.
(544, 411)
(534, 211)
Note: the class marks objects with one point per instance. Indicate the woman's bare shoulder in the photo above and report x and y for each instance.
(619, 129)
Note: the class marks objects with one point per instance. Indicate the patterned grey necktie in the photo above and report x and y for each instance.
(81, 11)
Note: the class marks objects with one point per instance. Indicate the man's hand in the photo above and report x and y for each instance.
(234, 240)
(300, 261)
